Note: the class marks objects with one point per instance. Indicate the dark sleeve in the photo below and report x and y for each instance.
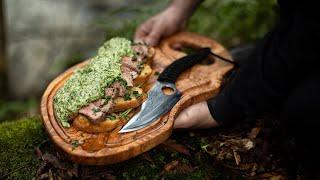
(279, 62)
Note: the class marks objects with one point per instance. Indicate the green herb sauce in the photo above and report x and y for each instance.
(88, 84)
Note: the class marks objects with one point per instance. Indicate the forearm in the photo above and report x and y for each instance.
(185, 7)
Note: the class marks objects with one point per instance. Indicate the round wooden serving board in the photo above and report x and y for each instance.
(197, 84)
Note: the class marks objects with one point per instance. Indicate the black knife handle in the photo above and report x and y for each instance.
(172, 72)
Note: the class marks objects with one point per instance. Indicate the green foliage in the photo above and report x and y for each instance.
(124, 20)
(233, 22)
(18, 140)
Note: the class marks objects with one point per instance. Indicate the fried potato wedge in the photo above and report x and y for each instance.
(132, 100)
(143, 76)
(83, 124)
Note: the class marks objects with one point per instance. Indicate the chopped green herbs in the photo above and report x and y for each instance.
(107, 99)
(95, 110)
(111, 117)
(88, 84)
(136, 94)
(74, 144)
(124, 114)
(127, 96)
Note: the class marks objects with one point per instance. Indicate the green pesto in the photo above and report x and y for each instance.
(87, 84)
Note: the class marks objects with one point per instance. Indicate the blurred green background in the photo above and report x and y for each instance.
(230, 22)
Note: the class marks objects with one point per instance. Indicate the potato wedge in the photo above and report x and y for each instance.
(143, 76)
(83, 124)
(111, 122)
(135, 99)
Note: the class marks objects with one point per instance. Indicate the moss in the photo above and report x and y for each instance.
(17, 141)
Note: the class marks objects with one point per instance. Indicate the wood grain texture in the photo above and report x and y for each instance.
(197, 84)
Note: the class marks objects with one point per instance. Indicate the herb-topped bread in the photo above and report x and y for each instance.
(106, 90)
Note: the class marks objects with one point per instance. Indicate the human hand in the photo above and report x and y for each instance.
(166, 23)
(196, 116)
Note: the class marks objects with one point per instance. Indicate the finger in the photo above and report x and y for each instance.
(154, 37)
(142, 31)
(183, 119)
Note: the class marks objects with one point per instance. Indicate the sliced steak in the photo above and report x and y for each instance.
(133, 74)
(121, 90)
(93, 113)
(132, 65)
(126, 75)
(141, 50)
(110, 92)
(107, 106)
(99, 103)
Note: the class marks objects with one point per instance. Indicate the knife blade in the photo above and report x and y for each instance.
(159, 102)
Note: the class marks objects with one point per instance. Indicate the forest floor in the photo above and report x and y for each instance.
(245, 151)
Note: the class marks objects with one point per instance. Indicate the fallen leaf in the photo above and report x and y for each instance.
(41, 169)
(38, 152)
(209, 149)
(147, 157)
(108, 176)
(54, 161)
(236, 157)
(242, 145)
(50, 175)
(184, 168)
(254, 132)
(171, 144)
(170, 166)
(272, 176)
(43, 176)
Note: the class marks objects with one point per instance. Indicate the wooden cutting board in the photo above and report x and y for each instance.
(197, 84)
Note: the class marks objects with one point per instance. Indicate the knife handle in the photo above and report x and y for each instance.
(172, 72)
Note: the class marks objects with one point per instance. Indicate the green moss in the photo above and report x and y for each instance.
(18, 140)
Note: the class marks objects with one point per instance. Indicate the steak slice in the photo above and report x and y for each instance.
(110, 92)
(129, 63)
(126, 75)
(141, 51)
(120, 89)
(93, 113)
(107, 106)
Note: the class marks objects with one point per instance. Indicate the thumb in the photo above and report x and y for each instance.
(154, 36)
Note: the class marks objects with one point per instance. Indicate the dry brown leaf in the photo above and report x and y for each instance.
(171, 144)
(54, 161)
(272, 176)
(254, 132)
(242, 145)
(38, 152)
(147, 157)
(184, 168)
(171, 166)
(236, 157)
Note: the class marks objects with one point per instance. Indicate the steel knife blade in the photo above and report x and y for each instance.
(159, 102)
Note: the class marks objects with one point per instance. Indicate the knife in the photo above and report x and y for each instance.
(159, 102)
